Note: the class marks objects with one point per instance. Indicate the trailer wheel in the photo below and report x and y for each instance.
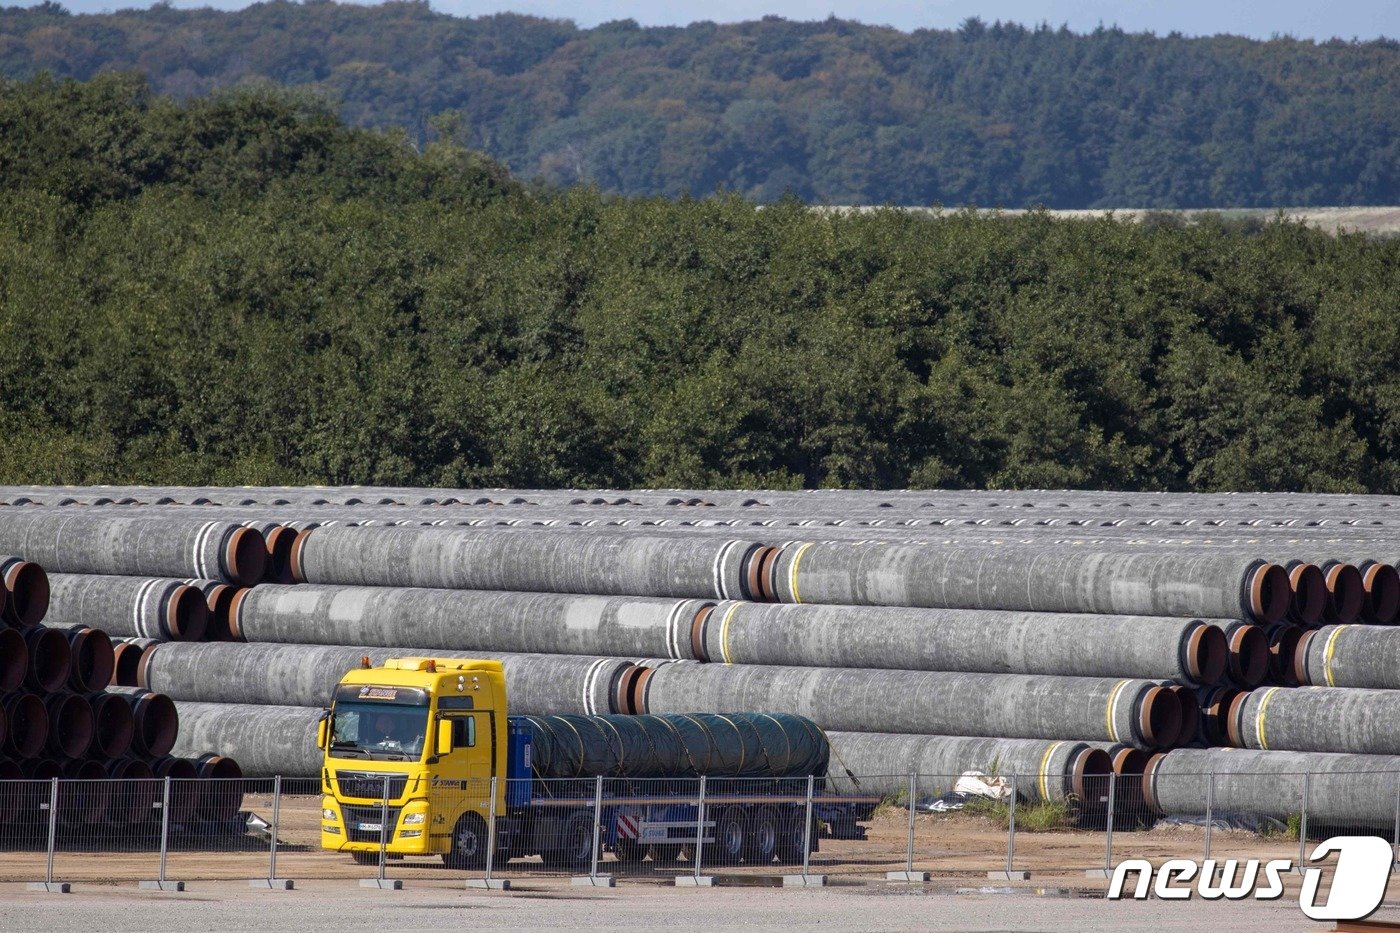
(576, 844)
(790, 839)
(469, 841)
(762, 844)
(731, 836)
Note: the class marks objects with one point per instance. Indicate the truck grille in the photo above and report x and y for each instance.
(354, 816)
(369, 785)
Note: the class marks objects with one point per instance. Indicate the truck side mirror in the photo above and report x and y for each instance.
(444, 737)
(322, 728)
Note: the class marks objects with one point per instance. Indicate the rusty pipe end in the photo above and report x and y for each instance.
(14, 660)
(28, 720)
(1300, 658)
(1092, 767)
(245, 556)
(1233, 710)
(1149, 781)
(218, 600)
(1249, 655)
(50, 659)
(28, 587)
(186, 614)
(1283, 649)
(280, 540)
(114, 723)
(156, 724)
(1382, 583)
(1159, 717)
(92, 659)
(636, 697)
(1207, 654)
(1269, 593)
(71, 725)
(1309, 593)
(1190, 715)
(142, 666)
(233, 616)
(621, 700)
(697, 633)
(294, 558)
(1346, 593)
(125, 659)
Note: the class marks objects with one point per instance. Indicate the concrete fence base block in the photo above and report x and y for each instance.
(695, 881)
(1008, 876)
(161, 885)
(383, 884)
(1098, 873)
(50, 887)
(804, 881)
(489, 884)
(272, 884)
(907, 876)
(594, 881)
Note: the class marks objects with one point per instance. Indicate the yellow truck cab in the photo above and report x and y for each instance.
(428, 735)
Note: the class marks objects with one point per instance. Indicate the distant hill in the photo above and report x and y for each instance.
(832, 111)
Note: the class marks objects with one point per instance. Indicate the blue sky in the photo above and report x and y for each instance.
(1365, 19)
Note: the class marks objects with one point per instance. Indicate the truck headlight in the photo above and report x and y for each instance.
(415, 819)
(327, 813)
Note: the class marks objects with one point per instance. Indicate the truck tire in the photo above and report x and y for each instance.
(761, 847)
(469, 841)
(731, 837)
(790, 839)
(576, 844)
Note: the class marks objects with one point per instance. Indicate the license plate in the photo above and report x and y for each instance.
(376, 827)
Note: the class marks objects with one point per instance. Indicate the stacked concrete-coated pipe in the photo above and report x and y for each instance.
(264, 739)
(305, 675)
(1350, 656)
(1319, 719)
(1132, 711)
(24, 591)
(165, 610)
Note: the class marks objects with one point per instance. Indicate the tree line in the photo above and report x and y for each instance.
(838, 112)
(241, 288)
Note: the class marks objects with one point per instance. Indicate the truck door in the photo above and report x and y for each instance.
(472, 762)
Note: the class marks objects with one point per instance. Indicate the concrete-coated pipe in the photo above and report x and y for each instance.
(84, 796)
(28, 721)
(50, 659)
(1317, 719)
(1283, 646)
(1132, 711)
(91, 658)
(1382, 583)
(14, 660)
(1346, 593)
(220, 787)
(265, 740)
(70, 725)
(1044, 771)
(1342, 789)
(1190, 729)
(1215, 707)
(974, 641)
(114, 725)
(66, 542)
(1310, 597)
(219, 599)
(466, 620)
(126, 659)
(184, 797)
(1350, 656)
(26, 596)
(306, 675)
(156, 723)
(1049, 579)
(134, 793)
(1248, 665)
(525, 560)
(137, 607)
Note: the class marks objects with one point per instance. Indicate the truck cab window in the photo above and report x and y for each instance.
(464, 732)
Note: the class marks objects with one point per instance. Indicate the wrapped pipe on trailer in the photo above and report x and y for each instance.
(1248, 665)
(527, 560)
(156, 724)
(70, 725)
(1317, 719)
(265, 740)
(1342, 789)
(219, 599)
(467, 620)
(975, 641)
(1132, 711)
(138, 607)
(126, 658)
(28, 721)
(64, 542)
(50, 659)
(14, 659)
(25, 599)
(677, 746)
(114, 725)
(1031, 579)
(879, 763)
(1349, 656)
(306, 675)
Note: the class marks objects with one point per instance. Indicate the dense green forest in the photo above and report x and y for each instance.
(241, 289)
(834, 111)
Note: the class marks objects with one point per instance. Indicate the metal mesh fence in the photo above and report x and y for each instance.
(668, 830)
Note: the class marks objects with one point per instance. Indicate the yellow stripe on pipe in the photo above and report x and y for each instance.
(1108, 709)
(792, 574)
(1263, 710)
(724, 632)
(1044, 766)
(1327, 655)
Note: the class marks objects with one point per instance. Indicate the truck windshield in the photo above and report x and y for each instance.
(375, 730)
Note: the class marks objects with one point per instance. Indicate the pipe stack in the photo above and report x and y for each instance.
(1056, 634)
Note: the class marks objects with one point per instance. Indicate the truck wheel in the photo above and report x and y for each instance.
(762, 844)
(469, 841)
(576, 844)
(790, 837)
(731, 836)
